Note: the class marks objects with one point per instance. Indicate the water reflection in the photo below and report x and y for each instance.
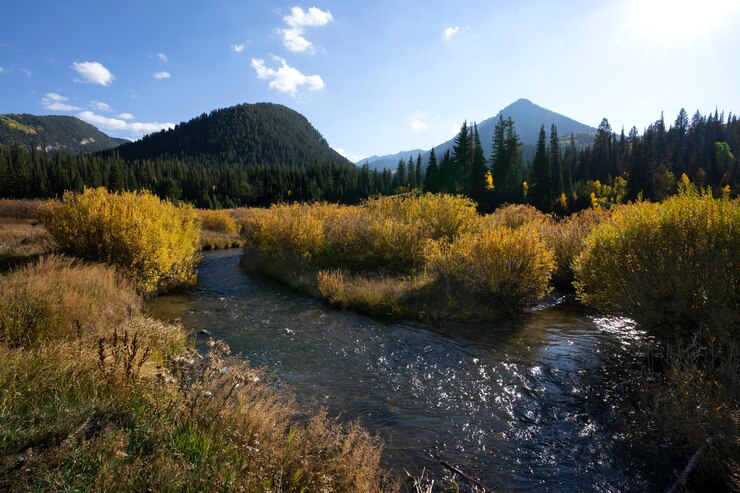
(524, 406)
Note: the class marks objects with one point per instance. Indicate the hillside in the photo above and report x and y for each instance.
(247, 134)
(54, 133)
(527, 116)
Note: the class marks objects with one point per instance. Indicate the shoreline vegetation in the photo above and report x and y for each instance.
(96, 395)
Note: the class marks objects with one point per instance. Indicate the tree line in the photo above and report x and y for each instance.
(564, 178)
(561, 176)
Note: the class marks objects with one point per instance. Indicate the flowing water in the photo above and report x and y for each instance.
(530, 404)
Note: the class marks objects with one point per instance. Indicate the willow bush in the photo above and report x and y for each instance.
(420, 257)
(154, 242)
(501, 267)
(673, 267)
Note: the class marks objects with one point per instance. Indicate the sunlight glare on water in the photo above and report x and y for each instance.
(525, 405)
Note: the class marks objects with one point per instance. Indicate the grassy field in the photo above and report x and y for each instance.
(95, 396)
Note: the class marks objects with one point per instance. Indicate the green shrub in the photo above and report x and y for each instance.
(154, 242)
(673, 267)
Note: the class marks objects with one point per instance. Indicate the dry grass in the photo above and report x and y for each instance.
(22, 239)
(58, 297)
(21, 208)
(121, 404)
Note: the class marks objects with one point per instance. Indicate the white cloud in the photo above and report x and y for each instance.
(349, 155)
(2, 71)
(238, 48)
(163, 57)
(93, 72)
(419, 124)
(126, 116)
(135, 129)
(27, 72)
(286, 78)
(99, 105)
(161, 75)
(297, 22)
(56, 102)
(450, 31)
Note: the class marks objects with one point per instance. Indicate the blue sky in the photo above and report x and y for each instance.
(374, 77)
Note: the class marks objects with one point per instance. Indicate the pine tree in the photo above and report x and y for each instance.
(556, 164)
(419, 173)
(431, 179)
(478, 170)
(540, 179)
(462, 159)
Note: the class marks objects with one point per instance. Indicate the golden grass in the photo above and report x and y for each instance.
(123, 404)
(22, 239)
(22, 208)
(58, 297)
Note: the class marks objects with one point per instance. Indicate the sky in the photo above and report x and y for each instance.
(374, 77)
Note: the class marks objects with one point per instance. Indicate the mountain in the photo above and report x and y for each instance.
(527, 116)
(247, 134)
(54, 133)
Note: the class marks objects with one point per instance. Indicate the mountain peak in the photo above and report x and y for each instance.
(528, 117)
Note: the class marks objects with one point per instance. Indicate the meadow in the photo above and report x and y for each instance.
(96, 395)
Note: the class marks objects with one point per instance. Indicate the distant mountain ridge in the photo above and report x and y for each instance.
(527, 116)
(248, 134)
(54, 133)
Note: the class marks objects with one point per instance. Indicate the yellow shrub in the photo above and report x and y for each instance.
(437, 216)
(499, 267)
(515, 216)
(219, 221)
(566, 238)
(153, 242)
(286, 231)
(669, 265)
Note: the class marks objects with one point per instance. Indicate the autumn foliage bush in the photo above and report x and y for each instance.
(419, 256)
(500, 267)
(154, 242)
(674, 267)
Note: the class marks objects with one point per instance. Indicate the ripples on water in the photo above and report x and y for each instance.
(527, 405)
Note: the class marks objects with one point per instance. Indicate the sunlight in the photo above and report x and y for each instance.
(674, 21)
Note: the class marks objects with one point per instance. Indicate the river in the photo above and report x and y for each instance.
(529, 404)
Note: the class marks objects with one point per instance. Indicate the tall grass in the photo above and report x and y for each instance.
(154, 242)
(693, 395)
(58, 297)
(118, 402)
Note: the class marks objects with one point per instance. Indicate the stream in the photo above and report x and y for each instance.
(528, 404)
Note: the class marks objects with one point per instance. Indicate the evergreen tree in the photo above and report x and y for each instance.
(556, 164)
(400, 179)
(462, 159)
(540, 177)
(478, 170)
(431, 179)
(419, 174)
